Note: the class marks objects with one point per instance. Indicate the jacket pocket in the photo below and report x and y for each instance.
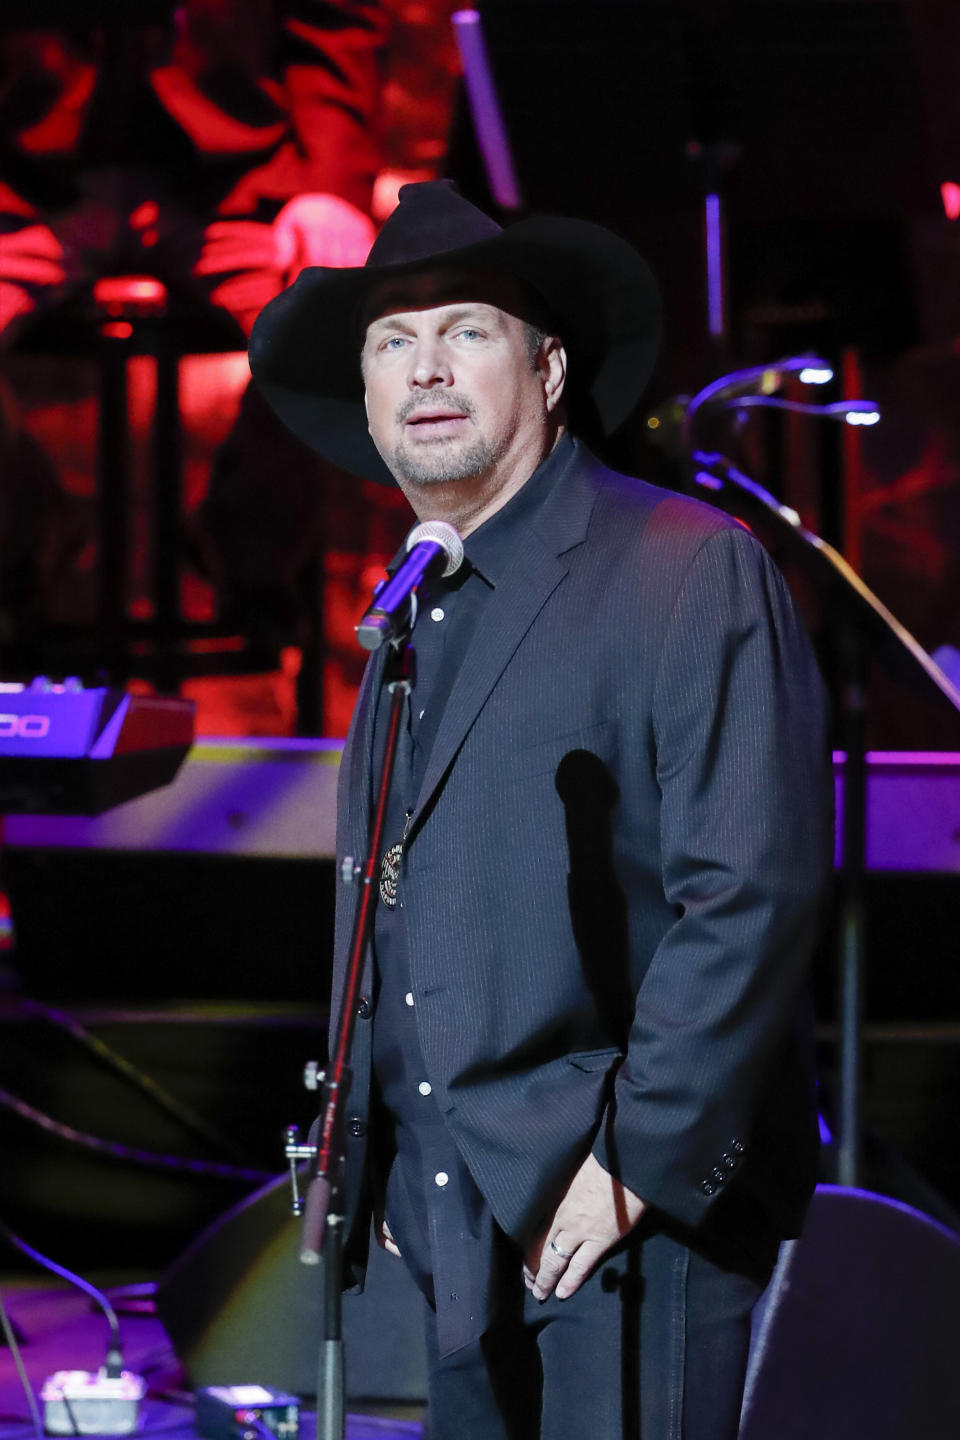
(592, 1060)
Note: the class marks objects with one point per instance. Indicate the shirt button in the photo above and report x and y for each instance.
(408, 998)
(436, 613)
(424, 1087)
(441, 1178)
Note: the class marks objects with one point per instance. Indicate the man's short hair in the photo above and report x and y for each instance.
(534, 336)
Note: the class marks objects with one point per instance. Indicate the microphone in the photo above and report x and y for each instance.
(434, 547)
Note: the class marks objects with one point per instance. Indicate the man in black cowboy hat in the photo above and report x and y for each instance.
(581, 1051)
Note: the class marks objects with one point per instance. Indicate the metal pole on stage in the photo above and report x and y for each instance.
(852, 930)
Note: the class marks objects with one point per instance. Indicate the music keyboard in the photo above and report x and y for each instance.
(68, 750)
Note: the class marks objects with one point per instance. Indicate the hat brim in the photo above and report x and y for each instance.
(600, 293)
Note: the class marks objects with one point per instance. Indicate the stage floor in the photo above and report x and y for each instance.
(59, 1329)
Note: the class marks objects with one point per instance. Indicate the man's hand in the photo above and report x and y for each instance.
(595, 1212)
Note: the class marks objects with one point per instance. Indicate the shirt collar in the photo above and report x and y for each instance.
(488, 546)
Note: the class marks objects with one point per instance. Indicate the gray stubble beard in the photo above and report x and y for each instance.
(469, 463)
(466, 464)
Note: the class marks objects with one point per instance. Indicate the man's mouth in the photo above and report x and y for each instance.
(431, 421)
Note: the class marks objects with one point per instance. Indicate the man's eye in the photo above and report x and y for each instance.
(468, 333)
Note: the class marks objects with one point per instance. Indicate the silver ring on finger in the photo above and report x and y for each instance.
(564, 1254)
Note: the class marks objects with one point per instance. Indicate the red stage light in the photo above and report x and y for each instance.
(146, 214)
(135, 296)
(950, 193)
(371, 576)
(114, 289)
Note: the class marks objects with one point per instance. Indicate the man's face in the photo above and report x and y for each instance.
(454, 396)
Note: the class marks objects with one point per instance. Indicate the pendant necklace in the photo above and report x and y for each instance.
(390, 867)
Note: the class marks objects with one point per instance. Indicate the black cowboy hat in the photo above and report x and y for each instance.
(598, 292)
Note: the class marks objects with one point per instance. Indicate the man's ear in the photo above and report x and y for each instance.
(553, 366)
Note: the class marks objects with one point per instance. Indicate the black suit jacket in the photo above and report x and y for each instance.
(614, 868)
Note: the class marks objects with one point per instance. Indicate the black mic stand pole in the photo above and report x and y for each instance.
(323, 1216)
(852, 929)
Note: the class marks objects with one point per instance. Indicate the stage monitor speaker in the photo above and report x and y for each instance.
(240, 1308)
(857, 1333)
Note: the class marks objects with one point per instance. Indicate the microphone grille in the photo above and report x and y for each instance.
(443, 535)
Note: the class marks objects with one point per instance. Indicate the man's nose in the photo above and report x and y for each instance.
(430, 366)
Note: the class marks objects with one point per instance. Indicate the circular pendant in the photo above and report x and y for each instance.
(390, 875)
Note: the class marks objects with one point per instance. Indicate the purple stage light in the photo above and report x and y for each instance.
(713, 216)
(485, 109)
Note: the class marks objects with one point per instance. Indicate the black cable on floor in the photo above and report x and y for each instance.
(143, 1082)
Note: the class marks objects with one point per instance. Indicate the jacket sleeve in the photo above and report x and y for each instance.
(741, 762)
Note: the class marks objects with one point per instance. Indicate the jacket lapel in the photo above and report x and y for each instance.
(534, 570)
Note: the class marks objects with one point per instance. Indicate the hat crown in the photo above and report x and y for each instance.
(431, 218)
(304, 345)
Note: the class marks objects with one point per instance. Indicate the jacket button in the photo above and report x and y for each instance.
(364, 1008)
(729, 1162)
(706, 1187)
(737, 1146)
(718, 1175)
(356, 1127)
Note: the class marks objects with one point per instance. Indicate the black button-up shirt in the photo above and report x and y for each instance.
(438, 1217)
